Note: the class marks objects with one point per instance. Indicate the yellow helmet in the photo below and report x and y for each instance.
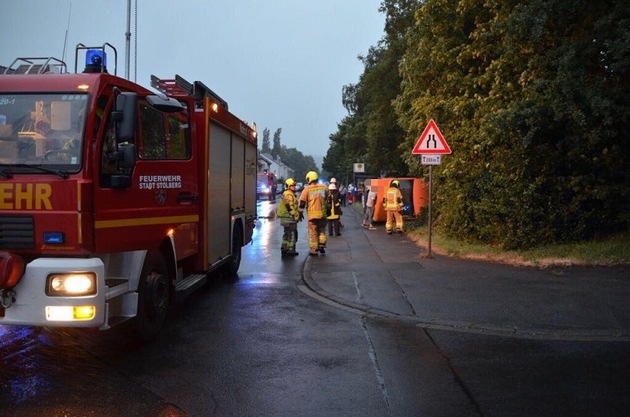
(311, 176)
(289, 182)
(395, 183)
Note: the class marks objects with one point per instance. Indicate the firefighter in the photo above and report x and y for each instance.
(334, 202)
(393, 204)
(314, 198)
(290, 215)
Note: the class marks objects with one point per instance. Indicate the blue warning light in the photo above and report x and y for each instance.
(95, 61)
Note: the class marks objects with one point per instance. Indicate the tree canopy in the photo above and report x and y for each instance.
(532, 97)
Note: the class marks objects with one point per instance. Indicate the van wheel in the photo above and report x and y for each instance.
(153, 297)
(231, 267)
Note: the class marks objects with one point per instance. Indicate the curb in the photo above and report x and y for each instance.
(309, 287)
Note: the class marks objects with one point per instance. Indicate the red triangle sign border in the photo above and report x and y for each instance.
(418, 150)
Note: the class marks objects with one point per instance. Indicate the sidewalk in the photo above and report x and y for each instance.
(382, 275)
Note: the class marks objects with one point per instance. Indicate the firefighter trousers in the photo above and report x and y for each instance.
(289, 237)
(394, 218)
(317, 234)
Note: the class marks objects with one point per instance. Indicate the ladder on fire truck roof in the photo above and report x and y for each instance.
(180, 87)
(31, 66)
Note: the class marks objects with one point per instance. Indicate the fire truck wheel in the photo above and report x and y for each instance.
(231, 267)
(153, 297)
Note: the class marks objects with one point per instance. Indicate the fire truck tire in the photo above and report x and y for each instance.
(153, 297)
(231, 267)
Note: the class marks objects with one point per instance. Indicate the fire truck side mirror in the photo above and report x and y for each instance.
(125, 116)
(126, 156)
(120, 181)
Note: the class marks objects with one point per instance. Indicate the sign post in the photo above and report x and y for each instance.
(357, 168)
(431, 145)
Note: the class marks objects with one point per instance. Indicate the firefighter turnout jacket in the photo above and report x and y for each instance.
(314, 198)
(393, 199)
(288, 207)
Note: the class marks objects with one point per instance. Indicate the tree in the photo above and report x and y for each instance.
(337, 161)
(298, 162)
(266, 143)
(276, 150)
(533, 99)
(371, 132)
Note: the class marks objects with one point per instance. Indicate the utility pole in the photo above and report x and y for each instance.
(128, 40)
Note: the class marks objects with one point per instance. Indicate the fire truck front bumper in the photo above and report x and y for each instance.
(57, 292)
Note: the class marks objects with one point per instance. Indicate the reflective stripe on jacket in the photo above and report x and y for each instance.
(334, 202)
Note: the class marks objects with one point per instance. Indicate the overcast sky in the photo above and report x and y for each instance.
(279, 63)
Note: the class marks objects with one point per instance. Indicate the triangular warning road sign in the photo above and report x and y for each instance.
(431, 142)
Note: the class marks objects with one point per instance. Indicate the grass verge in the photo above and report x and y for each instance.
(611, 251)
(605, 252)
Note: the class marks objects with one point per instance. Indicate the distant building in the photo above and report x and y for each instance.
(274, 166)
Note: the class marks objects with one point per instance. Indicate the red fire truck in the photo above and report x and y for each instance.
(115, 201)
(266, 186)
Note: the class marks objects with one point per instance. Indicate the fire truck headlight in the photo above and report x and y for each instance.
(71, 284)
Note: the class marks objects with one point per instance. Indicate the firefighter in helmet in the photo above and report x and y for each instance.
(289, 215)
(334, 202)
(314, 199)
(393, 205)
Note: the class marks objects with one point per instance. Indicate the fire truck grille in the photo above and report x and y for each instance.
(17, 232)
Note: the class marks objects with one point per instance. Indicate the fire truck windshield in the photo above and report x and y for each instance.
(41, 130)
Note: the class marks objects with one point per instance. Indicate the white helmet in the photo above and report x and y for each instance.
(332, 186)
(333, 180)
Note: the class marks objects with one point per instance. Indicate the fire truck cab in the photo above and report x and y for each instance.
(115, 200)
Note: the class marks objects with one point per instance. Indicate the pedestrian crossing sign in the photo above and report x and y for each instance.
(431, 142)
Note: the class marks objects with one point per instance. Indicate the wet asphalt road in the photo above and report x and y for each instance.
(264, 347)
